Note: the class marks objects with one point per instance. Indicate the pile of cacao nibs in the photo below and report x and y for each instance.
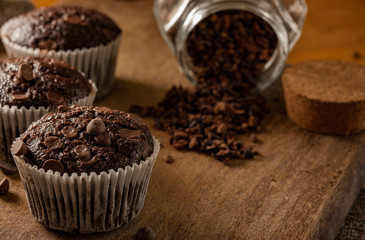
(231, 44)
(226, 49)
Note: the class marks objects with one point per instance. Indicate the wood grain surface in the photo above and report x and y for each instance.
(301, 188)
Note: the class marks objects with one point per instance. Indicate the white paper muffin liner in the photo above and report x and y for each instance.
(87, 203)
(14, 120)
(98, 63)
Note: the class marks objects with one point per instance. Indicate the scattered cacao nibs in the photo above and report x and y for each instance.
(170, 160)
(4, 186)
(207, 118)
(145, 233)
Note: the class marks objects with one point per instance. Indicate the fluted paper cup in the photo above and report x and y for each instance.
(98, 63)
(15, 120)
(88, 202)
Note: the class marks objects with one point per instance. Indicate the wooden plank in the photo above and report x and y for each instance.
(302, 187)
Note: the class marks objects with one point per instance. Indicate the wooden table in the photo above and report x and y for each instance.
(302, 187)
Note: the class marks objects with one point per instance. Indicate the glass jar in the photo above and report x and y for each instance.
(176, 19)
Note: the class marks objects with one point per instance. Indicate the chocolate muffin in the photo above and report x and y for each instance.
(86, 139)
(11, 8)
(86, 169)
(31, 87)
(35, 82)
(85, 38)
(62, 28)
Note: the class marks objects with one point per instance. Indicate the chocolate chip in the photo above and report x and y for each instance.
(137, 119)
(101, 109)
(86, 162)
(20, 96)
(47, 44)
(103, 139)
(25, 72)
(145, 233)
(63, 108)
(70, 132)
(54, 165)
(147, 150)
(170, 159)
(4, 186)
(108, 34)
(54, 97)
(53, 142)
(95, 127)
(19, 148)
(129, 133)
(83, 152)
(8, 167)
(73, 19)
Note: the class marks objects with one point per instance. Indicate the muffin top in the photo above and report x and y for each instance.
(61, 28)
(85, 139)
(40, 82)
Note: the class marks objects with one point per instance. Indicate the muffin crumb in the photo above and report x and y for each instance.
(170, 160)
(145, 233)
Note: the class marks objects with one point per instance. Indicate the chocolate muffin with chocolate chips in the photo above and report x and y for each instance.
(62, 28)
(85, 38)
(30, 88)
(85, 139)
(35, 82)
(95, 162)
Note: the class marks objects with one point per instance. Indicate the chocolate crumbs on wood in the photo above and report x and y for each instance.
(208, 117)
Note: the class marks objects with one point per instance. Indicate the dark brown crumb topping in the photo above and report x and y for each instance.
(40, 82)
(85, 139)
(62, 28)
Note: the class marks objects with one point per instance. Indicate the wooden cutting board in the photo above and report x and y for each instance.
(301, 188)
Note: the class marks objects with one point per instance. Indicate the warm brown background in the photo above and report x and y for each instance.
(302, 187)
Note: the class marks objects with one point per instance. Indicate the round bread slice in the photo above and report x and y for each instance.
(326, 96)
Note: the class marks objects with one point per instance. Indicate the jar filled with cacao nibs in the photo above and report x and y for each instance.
(243, 40)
